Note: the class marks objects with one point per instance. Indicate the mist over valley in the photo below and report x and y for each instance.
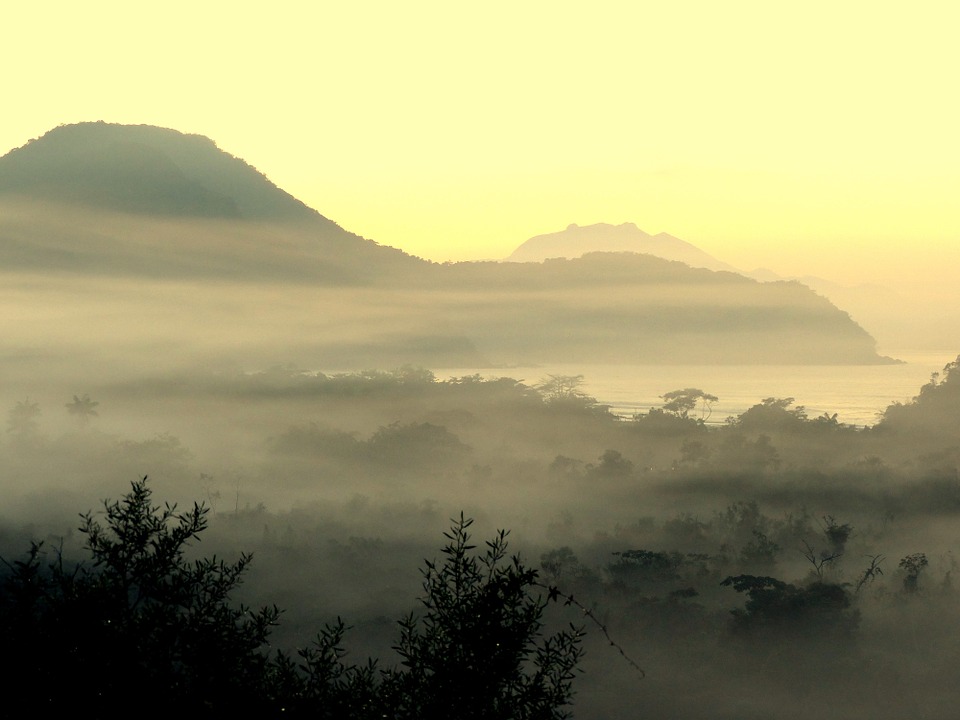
(732, 542)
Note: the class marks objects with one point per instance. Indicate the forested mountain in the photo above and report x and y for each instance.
(145, 170)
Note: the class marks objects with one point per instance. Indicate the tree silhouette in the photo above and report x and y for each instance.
(22, 419)
(561, 387)
(681, 402)
(83, 408)
(778, 610)
(913, 565)
(141, 622)
(477, 651)
(773, 414)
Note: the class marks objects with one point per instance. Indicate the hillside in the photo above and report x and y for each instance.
(135, 199)
(627, 307)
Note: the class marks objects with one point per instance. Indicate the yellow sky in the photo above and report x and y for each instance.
(808, 138)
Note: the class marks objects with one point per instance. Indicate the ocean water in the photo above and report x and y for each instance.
(858, 394)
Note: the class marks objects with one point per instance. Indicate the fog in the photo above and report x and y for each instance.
(342, 484)
(242, 351)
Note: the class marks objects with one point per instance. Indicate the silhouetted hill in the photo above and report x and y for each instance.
(146, 170)
(873, 305)
(630, 307)
(576, 241)
(135, 199)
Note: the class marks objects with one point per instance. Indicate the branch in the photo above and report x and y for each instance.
(555, 594)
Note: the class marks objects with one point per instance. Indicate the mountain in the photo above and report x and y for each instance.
(135, 241)
(109, 198)
(145, 170)
(637, 308)
(576, 241)
(879, 308)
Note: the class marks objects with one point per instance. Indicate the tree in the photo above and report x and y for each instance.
(773, 414)
(141, 623)
(477, 651)
(139, 620)
(22, 419)
(612, 466)
(824, 558)
(561, 387)
(412, 446)
(913, 565)
(681, 402)
(410, 375)
(775, 609)
(83, 408)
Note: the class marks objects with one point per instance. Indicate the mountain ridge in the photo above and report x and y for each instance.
(144, 203)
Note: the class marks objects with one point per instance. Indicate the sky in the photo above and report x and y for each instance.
(816, 138)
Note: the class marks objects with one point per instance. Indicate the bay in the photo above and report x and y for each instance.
(858, 394)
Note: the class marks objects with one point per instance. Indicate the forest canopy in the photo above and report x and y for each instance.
(779, 549)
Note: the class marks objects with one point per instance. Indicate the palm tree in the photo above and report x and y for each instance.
(22, 419)
(83, 408)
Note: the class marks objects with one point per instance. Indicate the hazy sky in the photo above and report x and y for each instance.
(819, 137)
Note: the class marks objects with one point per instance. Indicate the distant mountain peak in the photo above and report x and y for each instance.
(577, 240)
(143, 169)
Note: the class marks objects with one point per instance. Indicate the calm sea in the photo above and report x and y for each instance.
(857, 393)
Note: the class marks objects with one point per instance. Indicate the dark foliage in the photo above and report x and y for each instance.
(477, 652)
(778, 609)
(140, 622)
